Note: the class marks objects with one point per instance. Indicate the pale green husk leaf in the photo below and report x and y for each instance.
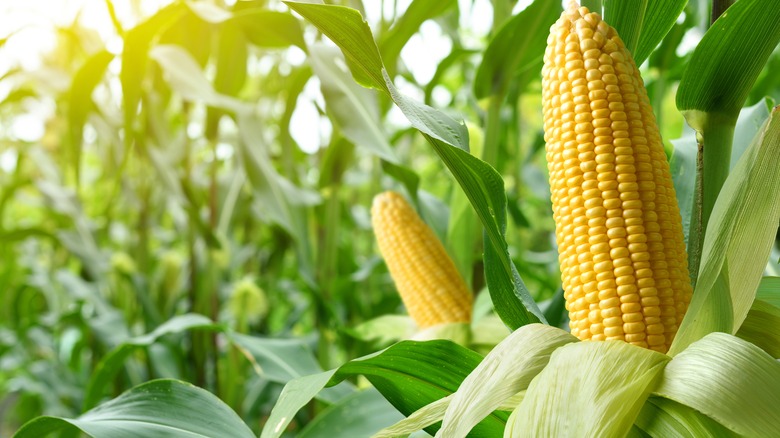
(664, 418)
(588, 389)
(730, 380)
(504, 372)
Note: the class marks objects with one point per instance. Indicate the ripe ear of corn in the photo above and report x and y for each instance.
(426, 278)
(623, 262)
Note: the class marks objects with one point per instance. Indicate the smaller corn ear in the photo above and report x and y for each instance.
(426, 278)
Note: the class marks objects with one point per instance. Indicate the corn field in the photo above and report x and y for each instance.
(375, 218)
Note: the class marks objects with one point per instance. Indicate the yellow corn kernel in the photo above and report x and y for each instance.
(430, 285)
(618, 225)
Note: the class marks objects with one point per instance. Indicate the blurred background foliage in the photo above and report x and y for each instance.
(163, 158)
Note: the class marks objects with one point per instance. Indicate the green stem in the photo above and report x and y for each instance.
(328, 258)
(718, 138)
(713, 160)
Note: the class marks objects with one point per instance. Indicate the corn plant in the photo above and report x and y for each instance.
(187, 269)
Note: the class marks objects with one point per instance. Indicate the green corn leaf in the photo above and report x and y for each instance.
(408, 24)
(413, 374)
(353, 108)
(271, 29)
(80, 102)
(360, 414)
(135, 59)
(662, 417)
(660, 16)
(186, 77)
(626, 16)
(284, 360)
(588, 389)
(151, 410)
(112, 362)
(427, 415)
(738, 241)
(762, 325)
(295, 395)
(728, 379)
(410, 375)
(518, 46)
(346, 27)
(728, 60)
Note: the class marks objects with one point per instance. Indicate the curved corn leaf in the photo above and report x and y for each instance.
(160, 408)
(738, 241)
(360, 414)
(410, 375)
(588, 389)
(762, 325)
(505, 371)
(518, 46)
(351, 106)
(112, 362)
(186, 77)
(727, 61)
(283, 360)
(271, 29)
(413, 374)
(295, 395)
(662, 418)
(135, 59)
(660, 16)
(626, 16)
(728, 379)
(415, 15)
(80, 101)
(481, 183)
(641, 24)
(427, 415)
(346, 27)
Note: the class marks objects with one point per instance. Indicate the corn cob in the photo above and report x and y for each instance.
(623, 262)
(426, 278)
